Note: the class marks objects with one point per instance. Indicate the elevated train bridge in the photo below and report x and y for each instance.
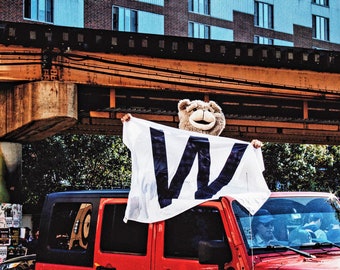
(58, 79)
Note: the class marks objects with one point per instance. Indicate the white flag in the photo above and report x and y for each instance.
(174, 170)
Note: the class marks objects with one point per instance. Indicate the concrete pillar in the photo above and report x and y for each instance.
(30, 112)
(37, 110)
(10, 172)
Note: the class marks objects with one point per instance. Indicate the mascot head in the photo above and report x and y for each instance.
(200, 116)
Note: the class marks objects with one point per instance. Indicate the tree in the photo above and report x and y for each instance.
(72, 162)
(66, 162)
(302, 167)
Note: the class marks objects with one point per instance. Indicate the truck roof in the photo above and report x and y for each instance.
(300, 194)
(114, 193)
(123, 193)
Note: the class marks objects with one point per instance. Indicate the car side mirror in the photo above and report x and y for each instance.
(214, 252)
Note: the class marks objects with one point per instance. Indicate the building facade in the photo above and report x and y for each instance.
(294, 23)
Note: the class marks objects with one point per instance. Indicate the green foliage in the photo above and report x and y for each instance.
(302, 167)
(73, 162)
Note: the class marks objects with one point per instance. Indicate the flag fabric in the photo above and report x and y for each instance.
(174, 170)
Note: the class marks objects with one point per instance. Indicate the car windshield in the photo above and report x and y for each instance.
(291, 222)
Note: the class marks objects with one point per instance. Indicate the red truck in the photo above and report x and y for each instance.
(85, 230)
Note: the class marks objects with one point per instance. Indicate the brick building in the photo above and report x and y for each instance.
(299, 23)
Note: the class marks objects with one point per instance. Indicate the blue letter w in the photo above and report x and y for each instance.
(195, 146)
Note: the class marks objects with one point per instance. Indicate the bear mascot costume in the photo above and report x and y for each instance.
(200, 116)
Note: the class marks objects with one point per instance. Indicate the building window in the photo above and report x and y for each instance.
(198, 30)
(191, 29)
(49, 10)
(132, 17)
(39, 10)
(115, 15)
(263, 16)
(320, 2)
(124, 19)
(191, 5)
(206, 31)
(320, 28)
(263, 40)
(199, 6)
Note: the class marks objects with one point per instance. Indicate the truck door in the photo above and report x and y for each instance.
(67, 236)
(120, 245)
(178, 237)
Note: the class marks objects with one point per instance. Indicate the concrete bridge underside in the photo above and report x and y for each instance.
(88, 93)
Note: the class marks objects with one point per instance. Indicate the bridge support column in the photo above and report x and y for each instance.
(37, 110)
(30, 112)
(10, 172)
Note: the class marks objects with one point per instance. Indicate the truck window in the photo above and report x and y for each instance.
(70, 226)
(183, 232)
(298, 222)
(118, 236)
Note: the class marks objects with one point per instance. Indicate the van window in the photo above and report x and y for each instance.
(70, 226)
(118, 236)
(183, 232)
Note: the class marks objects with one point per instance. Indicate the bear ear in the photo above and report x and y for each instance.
(182, 104)
(214, 105)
